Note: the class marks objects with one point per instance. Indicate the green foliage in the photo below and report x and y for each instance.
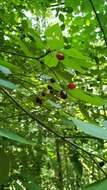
(17, 186)
(5, 70)
(30, 183)
(7, 84)
(54, 37)
(89, 98)
(10, 135)
(66, 127)
(12, 67)
(4, 167)
(91, 129)
(51, 60)
(102, 184)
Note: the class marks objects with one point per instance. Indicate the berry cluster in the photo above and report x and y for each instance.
(50, 90)
(63, 93)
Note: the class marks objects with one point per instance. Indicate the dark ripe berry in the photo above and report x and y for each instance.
(52, 80)
(63, 94)
(43, 93)
(71, 85)
(51, 91)
(91, 85)
(38, 100)
(50, 87)
(60, 56)
(101, 164)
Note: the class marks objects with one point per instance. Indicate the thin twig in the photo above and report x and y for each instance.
(25, 56)
(99, 22)
(29, 114)
(42, 124)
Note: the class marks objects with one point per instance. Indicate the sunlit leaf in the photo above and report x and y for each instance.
(23, 46)
(54, 37)
(51, 60)
(75, 53)
(73, 64)
(86, 97)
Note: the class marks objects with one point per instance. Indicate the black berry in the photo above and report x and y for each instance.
(43, 94)
(63, 94)
(101, 164)
(51, 91)
(52, 80)
(38, 100)
(50, 87)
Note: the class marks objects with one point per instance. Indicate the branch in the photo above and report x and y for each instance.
(28, 113)
(43, 125)
(80, 137)
(94, 161)
(99, 22)
(28, 57)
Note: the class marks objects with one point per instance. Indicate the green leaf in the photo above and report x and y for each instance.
(91, 129)
(99, 185)
(36, 35)
(66, 122)
(54, 37)
(5, 70)
(76, 60)
(73, 4)
(10, 135)
(86, 97)
(51, 60)
(12, 67)
(75, 53)
(23, 46)
(7, 84)
(74, 64)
